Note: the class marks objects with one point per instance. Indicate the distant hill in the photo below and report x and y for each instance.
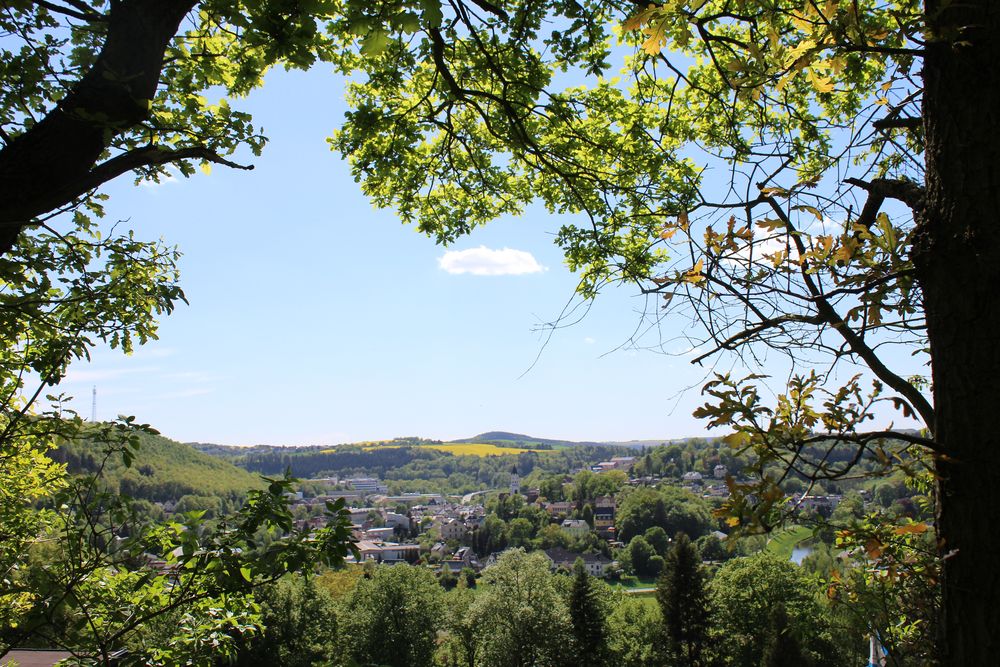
(505, 438)
(163, 470)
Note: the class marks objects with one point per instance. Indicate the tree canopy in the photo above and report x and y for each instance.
(811, 178)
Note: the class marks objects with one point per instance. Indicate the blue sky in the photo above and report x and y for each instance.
(316, 319)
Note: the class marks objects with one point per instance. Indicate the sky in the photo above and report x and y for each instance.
(315, 319)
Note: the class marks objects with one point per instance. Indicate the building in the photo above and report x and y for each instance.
(367, 485)
(452, 529)
(515, 482)
(393, 519)
(596, 564)
(388, 552)
(604, 516)
(720, 472)
(691, 477)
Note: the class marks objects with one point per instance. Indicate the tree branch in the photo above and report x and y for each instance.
(880, 189)
(855, 342)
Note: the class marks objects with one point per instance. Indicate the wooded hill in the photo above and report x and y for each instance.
(163, 469)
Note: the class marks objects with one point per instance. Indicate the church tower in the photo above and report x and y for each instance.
(515, 482)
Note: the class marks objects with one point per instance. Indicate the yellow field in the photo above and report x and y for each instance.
(479, 449)
(466, 449)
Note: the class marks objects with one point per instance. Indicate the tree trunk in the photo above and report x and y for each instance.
(957, 256)
(47, 167)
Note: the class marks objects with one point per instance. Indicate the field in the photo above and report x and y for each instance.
(468, 449)
(782, 543)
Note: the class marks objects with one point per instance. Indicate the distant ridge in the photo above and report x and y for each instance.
(504, 437)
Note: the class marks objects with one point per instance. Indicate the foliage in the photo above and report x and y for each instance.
(669, 508)
(588, 612)
(83, 566)
(683, 601)
(299, 626)
(743, 594)
(634, 628)
(521, 617)
(393, 617)
(162, 470)
(782, 647)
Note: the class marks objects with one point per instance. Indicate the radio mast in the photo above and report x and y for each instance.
(93, 406)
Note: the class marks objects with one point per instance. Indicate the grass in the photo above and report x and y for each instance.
(784, 542)
(639, 583)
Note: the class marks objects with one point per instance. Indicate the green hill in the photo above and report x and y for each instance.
(163, 470)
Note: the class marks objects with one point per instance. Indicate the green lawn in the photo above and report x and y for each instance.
(640, 583)
(782, 543)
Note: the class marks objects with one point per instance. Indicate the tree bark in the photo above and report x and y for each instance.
(47, 166)
(957, 257)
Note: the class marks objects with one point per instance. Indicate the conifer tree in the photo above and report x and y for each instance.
(590, 628)
(680, 593)
(782, 648)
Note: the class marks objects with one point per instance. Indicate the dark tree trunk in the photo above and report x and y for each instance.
(958, 263)
(52, 164)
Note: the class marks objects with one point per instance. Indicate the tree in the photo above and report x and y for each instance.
(634, 629)
(809, 178)
(521, 617)
(657, 538)
(683, 602)
(671, 509)
(640, 555)
(393, 618)
(781, 649)
(300, 626)
(743, 595)
(588, 616)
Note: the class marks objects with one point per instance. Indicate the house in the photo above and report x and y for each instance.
(596, 564)
(452, 529)
(623, 462)
(380, 534)
(691, 477)
(719, 472)
(560, 508)
(604, 516)
(388, 552)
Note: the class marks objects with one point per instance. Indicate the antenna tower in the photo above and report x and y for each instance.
(93, 405)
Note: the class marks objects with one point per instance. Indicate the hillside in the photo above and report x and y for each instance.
(163, 470)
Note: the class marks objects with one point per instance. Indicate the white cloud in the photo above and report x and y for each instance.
(483, 261)
(589, 341)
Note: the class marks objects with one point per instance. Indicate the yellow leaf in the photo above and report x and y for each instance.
(694, 276)
(820, 83)
(733, 521)
(873, 548)
(736, 440)
(206, 168)
(770, 224)
(667, 234)
(682, 220)
(911, 528)
(777, 258)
